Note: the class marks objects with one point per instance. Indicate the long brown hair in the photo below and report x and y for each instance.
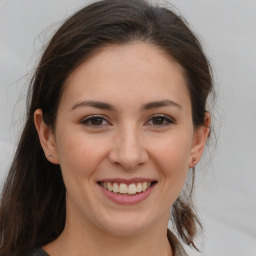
(32, 211)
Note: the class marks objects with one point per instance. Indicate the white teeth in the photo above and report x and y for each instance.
(110, 187)
(139, 188)
(132, 189)
(144, 186)
(115, 188)
(123, 188)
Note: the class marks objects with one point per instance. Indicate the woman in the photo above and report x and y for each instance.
(116, 119)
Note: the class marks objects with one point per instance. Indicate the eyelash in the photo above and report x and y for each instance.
(93, 118)
(166, 121)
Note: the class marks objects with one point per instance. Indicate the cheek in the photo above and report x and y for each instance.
(173, 151)
(174, 167)
(172, 159)
(78, 155)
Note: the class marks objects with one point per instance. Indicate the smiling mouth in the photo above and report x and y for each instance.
(127, 189)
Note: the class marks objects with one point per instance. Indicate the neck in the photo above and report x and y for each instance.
(78, 240)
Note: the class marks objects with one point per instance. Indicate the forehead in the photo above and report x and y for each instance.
(140, 71)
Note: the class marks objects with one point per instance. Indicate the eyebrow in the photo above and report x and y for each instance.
(107, 106)
(159, 104)
(95, 104)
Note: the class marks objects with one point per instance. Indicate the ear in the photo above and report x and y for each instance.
(46, 137)
(200, 137)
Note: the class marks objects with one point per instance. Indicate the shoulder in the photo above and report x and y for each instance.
(176, 245)
(38, 252)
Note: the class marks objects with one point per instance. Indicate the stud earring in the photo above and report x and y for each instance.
(194, 165)
(51, 156)
(194, 161)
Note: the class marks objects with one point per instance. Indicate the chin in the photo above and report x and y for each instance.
(125, 230)
(128, 225)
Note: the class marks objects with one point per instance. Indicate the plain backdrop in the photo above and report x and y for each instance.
(225, 188)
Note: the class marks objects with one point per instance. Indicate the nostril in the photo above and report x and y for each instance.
(128, 153)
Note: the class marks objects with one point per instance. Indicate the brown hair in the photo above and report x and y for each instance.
(32, 211)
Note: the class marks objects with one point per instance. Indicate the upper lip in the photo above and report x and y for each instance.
(127, 181)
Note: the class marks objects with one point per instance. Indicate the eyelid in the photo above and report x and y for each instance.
(86, 119)
(167, 118)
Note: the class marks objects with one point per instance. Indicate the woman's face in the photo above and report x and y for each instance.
(124, 123)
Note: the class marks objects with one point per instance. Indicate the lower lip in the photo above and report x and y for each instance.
(127, 200)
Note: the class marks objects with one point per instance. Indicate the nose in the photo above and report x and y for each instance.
(127, 150)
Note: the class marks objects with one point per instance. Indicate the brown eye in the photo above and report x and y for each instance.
(160, 120)
(95, 121)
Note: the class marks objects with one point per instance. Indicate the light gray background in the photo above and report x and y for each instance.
(226, 191)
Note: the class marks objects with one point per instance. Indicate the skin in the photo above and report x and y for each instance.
(125, 142)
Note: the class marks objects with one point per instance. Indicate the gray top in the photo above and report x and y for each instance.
(175, 243)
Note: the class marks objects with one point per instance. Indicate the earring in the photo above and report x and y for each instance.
(194, 164)
(51, 156)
